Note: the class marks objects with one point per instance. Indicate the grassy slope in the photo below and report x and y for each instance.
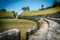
(6, 13)
(22, 25)
(41, 12)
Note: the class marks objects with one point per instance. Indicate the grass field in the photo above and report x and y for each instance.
(6, 13)
(21, 24)
(41, 12)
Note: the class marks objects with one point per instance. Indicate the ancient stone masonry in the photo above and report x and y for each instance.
(30, 31)
(12, 34)
(53, 31)
(47, 31)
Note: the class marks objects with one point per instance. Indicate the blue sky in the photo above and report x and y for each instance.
(16, 5)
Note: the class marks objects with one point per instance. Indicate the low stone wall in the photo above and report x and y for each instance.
(6, 17)
(12, 34)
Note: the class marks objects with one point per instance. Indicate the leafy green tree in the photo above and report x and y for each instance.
(28, 8)
(3, 10)
(25, 8)
(56, 3)
(42, 6)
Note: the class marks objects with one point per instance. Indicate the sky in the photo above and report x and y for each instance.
(16, 5)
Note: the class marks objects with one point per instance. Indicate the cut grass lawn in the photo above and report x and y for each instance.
(20, 24)
(41, 12)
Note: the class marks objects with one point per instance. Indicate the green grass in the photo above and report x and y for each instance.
(21, 24)
(41, 12)
(6, 13)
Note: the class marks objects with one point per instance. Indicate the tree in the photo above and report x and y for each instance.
(14, 14)
(28, 8)
(56, 3)
(3, 10)
(25, 8)
(42, 6)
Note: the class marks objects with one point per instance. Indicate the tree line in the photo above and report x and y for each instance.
(15, 14)
(55, 4)
(11, 13)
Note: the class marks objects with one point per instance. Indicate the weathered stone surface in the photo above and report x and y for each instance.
(47, 31)
(31, 31)
(1, 36)
(12, 34)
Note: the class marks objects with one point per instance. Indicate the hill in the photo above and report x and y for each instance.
(6, 13)
(41, 12)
